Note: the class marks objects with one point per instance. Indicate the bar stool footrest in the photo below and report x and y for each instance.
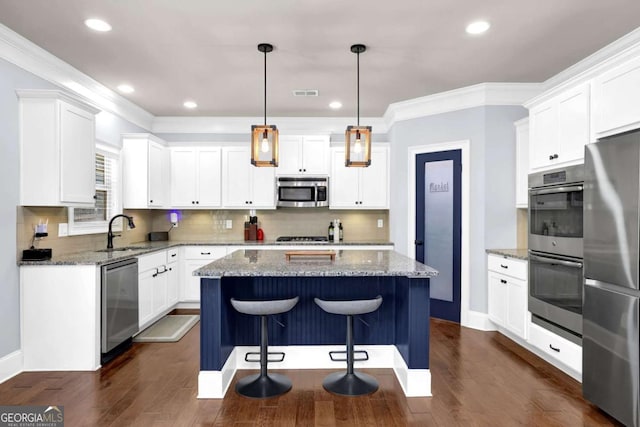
(270, 353)
(360, 359)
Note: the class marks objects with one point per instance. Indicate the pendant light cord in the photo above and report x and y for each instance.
(358, 84)
(265, 88)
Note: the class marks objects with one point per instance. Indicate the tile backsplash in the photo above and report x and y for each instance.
(522, 221)
(358, 225)
(201, 226)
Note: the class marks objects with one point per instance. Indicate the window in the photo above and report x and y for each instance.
(108, 196)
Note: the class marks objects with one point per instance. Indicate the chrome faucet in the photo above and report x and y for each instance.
(110, 235)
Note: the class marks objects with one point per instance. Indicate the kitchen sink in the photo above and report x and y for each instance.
(123, 249)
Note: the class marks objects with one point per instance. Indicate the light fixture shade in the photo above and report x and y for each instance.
(264, 145)
(357, 146)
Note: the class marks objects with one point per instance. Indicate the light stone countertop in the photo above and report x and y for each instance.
(104, 256)
(273, 263)
(510, 253)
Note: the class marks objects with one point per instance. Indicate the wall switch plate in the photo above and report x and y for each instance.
(380, 223)
(63, 229)
(228, 223)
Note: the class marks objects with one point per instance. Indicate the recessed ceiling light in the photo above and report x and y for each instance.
(125, 88)
(478, 27)
(190, 105)
(98, 25)
(335, 105)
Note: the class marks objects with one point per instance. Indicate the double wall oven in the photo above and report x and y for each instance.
(555, 250)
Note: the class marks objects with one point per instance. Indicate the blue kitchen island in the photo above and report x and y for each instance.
(396, 335)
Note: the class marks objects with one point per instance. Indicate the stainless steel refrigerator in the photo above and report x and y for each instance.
(610, 341)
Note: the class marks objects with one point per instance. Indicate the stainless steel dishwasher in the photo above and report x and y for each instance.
(119, 306)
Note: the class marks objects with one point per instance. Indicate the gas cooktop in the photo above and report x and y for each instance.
(321, 239)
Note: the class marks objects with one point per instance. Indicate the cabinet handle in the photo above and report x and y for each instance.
(557, 350)
(299, 170)
(503, 281)
(95, 197)
(174, 255)
(551, 157)
(193, 203)
(205, 253)
(150, 201)
(197, 202)
(250, 202)
(304, 170)
(504, 266)
(158, 272)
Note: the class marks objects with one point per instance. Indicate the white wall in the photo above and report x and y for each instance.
(492, 151)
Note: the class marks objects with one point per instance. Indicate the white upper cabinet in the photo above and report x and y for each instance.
(57, 150)
(616, 99)
(559, 130)
(145, 172)
(522, 163)
(360, 188)
(303, 155)
(244, 185)
(196, 177)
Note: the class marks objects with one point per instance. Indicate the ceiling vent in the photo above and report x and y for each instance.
(305, 92)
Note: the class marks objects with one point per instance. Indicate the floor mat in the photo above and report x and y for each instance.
(168, 329)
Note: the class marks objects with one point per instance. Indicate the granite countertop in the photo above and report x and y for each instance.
(104, 256)
(510, 253)
(273, 263)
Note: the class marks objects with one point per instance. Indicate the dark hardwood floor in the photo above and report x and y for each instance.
(478, 379)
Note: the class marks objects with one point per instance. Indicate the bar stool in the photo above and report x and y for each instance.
(263, 384)
(350, 383)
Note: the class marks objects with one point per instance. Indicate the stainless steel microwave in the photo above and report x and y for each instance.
(302, 192)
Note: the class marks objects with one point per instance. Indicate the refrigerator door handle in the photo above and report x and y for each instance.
(547, 260)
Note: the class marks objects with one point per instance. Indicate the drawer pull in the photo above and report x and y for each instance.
(557, 350)
(173, 255)
(503, 281)
(504, 266)
(205, 253)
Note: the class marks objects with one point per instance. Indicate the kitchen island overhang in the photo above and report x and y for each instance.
(396, 335)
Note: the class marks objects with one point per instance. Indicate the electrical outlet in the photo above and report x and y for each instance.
(380, 223)
(63, 229)
(228, 224)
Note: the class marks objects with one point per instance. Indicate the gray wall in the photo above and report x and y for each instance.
(492, 150)
(108, 129)
(11, 78)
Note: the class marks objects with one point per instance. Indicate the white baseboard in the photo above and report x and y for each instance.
(11, 365)
(479, 321)
(188, 305)
(414, 382)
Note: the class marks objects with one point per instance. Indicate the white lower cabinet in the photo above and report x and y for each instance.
(556, 347)
(173, 277)
(507, 282)
(155, 287)
(194, 258)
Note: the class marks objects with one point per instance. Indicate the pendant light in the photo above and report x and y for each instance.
(264, 138)
(358, 138)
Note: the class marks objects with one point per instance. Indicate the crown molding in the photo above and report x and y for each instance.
(288, 125)
(479, 95)
(603, 60)
(25, 54)
(58, 94)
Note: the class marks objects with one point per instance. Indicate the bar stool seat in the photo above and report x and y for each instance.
(350, 383)
(263, 385)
